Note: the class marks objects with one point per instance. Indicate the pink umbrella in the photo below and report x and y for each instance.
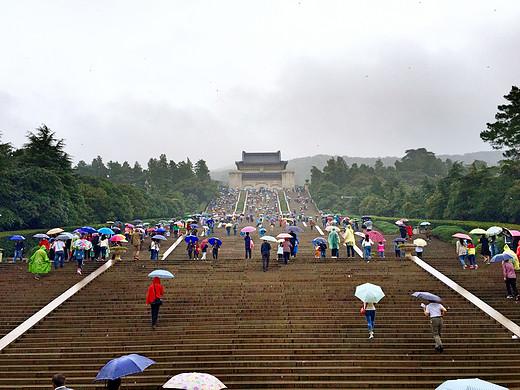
(462, 235)
(376, 236)
(284, 235)
(117, 237)
(129, 225)
(515, 233)
(150, 230)
(329, 218)
(403, 220)
(248, 229)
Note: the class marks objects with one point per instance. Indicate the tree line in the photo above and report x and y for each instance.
(420, 185)
(39, 187)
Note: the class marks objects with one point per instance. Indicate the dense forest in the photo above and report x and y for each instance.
(420, 186)
(39, 187)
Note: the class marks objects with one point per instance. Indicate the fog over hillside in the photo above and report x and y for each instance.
(302, 166)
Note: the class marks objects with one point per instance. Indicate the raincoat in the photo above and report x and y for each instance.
(333, 240)
(514, 260)
(40, 263)
(156, 290)
(349, 236)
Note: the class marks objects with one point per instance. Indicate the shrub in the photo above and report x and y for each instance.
(386, 227)
(445, 232)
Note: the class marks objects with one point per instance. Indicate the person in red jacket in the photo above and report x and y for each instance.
(153, 298)
(409, 231)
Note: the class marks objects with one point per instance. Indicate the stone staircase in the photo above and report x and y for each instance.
(292, 327)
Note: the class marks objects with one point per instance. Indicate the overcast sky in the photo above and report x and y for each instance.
(129, 80)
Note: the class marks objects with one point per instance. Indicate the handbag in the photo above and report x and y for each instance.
(363, 310)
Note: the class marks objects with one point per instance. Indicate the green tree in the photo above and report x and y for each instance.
(202, 170)
(44, 150)
(505, 132)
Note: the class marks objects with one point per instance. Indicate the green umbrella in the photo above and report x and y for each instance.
(369, 292)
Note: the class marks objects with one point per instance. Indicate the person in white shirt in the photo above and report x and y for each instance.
(435, 311)
(59, 253)
(103, 244)
(367, 243)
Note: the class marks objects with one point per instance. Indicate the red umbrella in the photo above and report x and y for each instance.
(376, 236)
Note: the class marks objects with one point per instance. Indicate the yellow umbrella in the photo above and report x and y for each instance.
(420, 242)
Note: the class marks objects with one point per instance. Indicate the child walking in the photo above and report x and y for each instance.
(381, 249)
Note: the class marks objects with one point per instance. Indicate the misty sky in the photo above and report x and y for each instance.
(129, 80)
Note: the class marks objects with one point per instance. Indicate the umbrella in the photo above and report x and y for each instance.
(369, 292)
(502, 257)
(366, 217)
(88, 229)
(477, 231)
(129, 225)
(162, 230)
(493, 231)
(462, 235)
(159, 237)
(190, 220)
(146, 223)
(515, 233)
(469, 384)
(106, 230)
(376, 236)
(137, 221)
(55, 231)
(319, 240)
(426, 295)
(17, 237)
(399, 239)
(82, 244)
(424, 223)
(284, 235)
(194, 381)
(269, 238)
(64, 236)
(331, 228)
(117, 237)
(123, 366)
(191, 238)
(194, 225)
(420, 242)
(330, 218)
(161, 273)
(212, 241)
(314, 242)
(110, 222)
(229, 224)
(40, 235)
(294, 229)
(399, 223)
(248, 229)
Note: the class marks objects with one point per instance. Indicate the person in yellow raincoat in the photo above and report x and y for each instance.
(350, 241)
(39, 263)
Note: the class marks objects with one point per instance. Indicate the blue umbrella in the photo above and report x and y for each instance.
(319, 240)
(193, 225)
(399, 239)
(41, 235)
(106, 230)
(469, 384)
(294, 229)
(212, 240)
(424, 223)
(160, 230)
(161, 273)
(191, 238)
(137, 221)
(123, 366)
(159, 237)
(88, 229)
(427, 296)
(17, 237)
(502, 257)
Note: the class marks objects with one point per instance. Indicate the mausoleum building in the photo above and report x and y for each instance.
(261, 170)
